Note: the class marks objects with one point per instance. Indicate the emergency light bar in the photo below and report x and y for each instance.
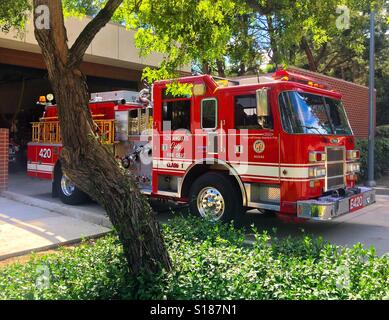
(122, 95)
(284, 75)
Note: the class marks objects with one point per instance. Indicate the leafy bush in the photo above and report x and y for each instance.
(381, 155)
(211, 261)
(383, 131)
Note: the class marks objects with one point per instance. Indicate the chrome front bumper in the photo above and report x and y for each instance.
(329, 207)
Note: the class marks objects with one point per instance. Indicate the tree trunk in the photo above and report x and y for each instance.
(85, 161)
(273, 41)
(220, 68)
(309, 54)
(206, 68)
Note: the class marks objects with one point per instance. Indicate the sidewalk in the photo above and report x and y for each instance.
(37, 193)
(25, 229)
(383, 185)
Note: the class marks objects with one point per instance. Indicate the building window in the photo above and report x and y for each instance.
(209, 114)
(176, 115)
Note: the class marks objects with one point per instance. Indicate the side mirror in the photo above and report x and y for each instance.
(262, 103)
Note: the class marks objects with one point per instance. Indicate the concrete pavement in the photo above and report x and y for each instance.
(24, 229)
(369, 226)
(37, 193)
(383, 185)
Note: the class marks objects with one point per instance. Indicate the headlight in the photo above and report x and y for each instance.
(317, 172)
(353, 167)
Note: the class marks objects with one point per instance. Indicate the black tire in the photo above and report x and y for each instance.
(231, 195)
(268, 214)
(76, 197)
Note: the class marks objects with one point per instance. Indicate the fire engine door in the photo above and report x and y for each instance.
(176, 135)
(252, 144)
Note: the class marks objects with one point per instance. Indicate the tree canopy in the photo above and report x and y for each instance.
(231, 37)
(13, 14)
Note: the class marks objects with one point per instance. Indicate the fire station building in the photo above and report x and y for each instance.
(111, 63)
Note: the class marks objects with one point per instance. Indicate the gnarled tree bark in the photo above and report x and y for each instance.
(309, 54)
(84, 160)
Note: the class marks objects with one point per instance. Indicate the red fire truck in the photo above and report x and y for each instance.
(283, 144)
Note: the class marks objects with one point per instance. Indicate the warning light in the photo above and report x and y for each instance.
(222, 83)
(50, 97)
(199, 89)
(42, 100)
(284, 75)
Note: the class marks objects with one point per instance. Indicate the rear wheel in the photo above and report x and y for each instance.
(68, 191)
(215, 196)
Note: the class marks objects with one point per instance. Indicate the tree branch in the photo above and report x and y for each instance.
(256, 6)
(336, 64)
(321, 54)
(83, 41)
(309, 54)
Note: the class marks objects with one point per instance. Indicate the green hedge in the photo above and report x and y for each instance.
(383, 131)
(211, 261)
(381, 155)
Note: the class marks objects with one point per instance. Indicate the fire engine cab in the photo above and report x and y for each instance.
(283, 144)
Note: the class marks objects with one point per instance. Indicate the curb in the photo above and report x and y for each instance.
(52, 246)
(382, 191)
(69, 211)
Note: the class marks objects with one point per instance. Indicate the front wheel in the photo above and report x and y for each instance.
(68, 192)
(215, 196)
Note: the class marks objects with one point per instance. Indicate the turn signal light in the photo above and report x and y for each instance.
(315, 156)
(353, 154)
(315, 183)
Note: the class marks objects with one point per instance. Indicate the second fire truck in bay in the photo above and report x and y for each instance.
(283, 144)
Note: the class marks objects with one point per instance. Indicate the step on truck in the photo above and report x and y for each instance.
(283, 144)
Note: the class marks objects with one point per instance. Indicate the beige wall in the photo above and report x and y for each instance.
(113, 46)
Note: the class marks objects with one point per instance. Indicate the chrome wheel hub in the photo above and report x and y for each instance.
(67, 186)
(210, 203)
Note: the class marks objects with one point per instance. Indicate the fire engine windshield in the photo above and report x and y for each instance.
(312, 114)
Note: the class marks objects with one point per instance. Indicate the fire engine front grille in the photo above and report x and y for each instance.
(335, 155)
(335, 168)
